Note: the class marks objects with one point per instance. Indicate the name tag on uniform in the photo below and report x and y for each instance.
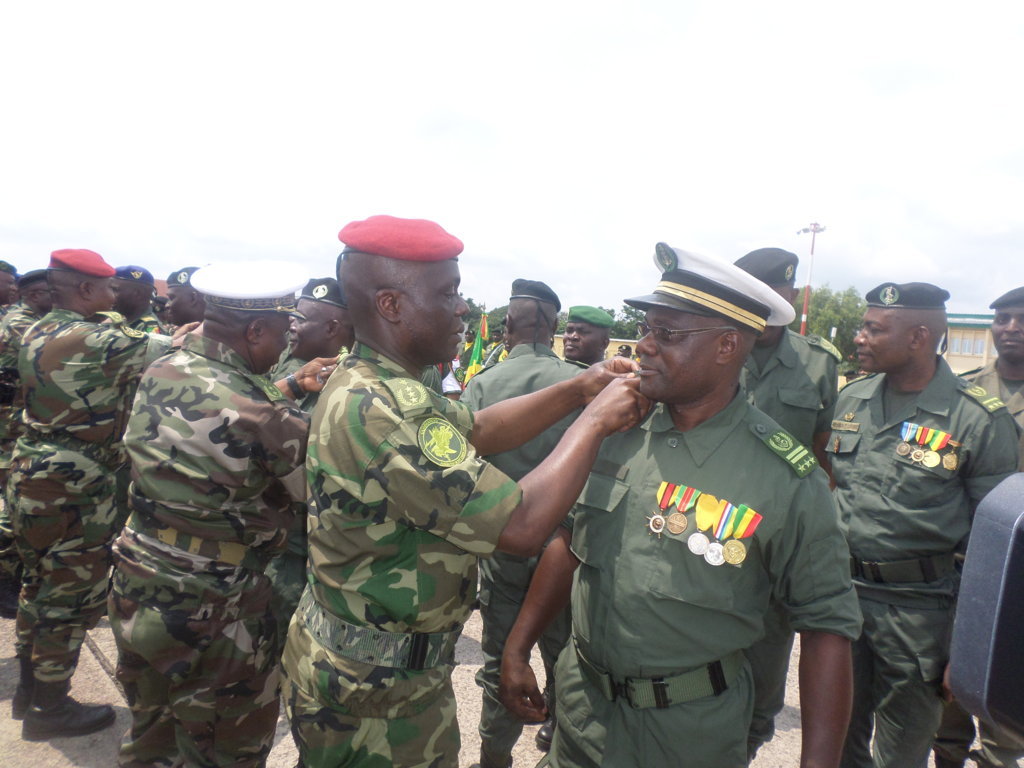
(845, 426)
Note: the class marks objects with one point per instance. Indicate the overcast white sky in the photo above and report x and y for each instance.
(559, 140)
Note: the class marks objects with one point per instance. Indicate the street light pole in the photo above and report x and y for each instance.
(814, 229)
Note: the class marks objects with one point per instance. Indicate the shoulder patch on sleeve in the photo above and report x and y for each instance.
(990, 403)
(441, 442)
(784, 445)
(410, 395)
(826, 345)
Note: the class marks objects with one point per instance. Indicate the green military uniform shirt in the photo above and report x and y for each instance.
(147, 323)
(527, 368)
(893, 507)
(12, 328)
(797, 386)
(989, 378)
(646, 605)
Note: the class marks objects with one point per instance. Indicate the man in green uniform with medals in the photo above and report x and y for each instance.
(688, 525)
(586, 335)
(1004, 377)
(401, 506)
(794, 380)
(531, 365)
(914, 449)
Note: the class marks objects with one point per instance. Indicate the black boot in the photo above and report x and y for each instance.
(10, 588)
(487, 760)
(53, 713)
(23, 693)
(545, 734)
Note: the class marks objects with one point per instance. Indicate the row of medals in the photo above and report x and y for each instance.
(928, 457)
(732, 551)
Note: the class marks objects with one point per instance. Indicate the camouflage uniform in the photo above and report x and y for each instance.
(505, 579)
(12, 328)
(400, 509)
(796, 386)
(148, 323)
(78, 378)
(216, 456)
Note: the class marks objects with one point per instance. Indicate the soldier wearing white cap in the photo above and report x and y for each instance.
(217, 470)
(686, 527)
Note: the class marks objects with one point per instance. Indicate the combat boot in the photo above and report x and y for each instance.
(53, 713)
(545, 734)
(22, 698)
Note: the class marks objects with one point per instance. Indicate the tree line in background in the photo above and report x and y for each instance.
(828, 309)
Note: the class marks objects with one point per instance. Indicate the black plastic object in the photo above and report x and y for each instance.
(987, 655)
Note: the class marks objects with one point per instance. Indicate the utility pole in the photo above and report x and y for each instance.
(814, 229)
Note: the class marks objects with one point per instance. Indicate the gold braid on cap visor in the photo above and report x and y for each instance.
(275, 304)
(719, 305)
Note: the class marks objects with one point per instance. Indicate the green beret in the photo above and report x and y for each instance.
(772, 266)
(591, 315)
(907, 296)
(8, 268)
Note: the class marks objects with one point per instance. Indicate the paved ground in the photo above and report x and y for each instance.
(94, 683)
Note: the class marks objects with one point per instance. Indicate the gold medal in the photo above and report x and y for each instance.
(676, 523)
(917, 455)
(734, 552)
(931, 459)
(714, 554)
(903, 449)
(950, 461)
(656, 523)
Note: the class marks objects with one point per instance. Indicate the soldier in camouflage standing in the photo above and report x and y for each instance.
(8, 287)
(35, 302)
(216, 453)
(504, 579)
(78, 377)
(401, 506)
(133, 298)
(322, 328)
(794, 379)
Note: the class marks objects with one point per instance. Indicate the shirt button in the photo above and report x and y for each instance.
(673, 442)
(760, 429)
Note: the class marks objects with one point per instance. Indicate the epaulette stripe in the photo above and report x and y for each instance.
(979, 394)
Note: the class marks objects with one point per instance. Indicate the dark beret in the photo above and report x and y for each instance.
(772, 266)
(81, 260)
(181, 276)
(405, 239)
(8, 268)
(907, 296)
(134, 274)
(31, 277)
(326, 290)
(1014, 298)
(534, 289)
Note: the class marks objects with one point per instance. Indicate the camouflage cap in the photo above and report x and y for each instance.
(326, 290)
(907, 296)
(263, 286)
(772, 266)
(134, 274)
(181, 276)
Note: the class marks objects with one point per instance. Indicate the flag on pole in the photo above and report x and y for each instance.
(476, 357)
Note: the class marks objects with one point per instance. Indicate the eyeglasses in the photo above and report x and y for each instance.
(664, 335)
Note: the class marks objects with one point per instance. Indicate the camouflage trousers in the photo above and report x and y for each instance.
(197, 663)
(287, 574)
(898, 663)
(65, 510)
(769, 664)
(504, 581)
(346, 714)
(10, 562)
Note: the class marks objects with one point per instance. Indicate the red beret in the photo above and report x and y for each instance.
(81, 260)
(406, 239)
